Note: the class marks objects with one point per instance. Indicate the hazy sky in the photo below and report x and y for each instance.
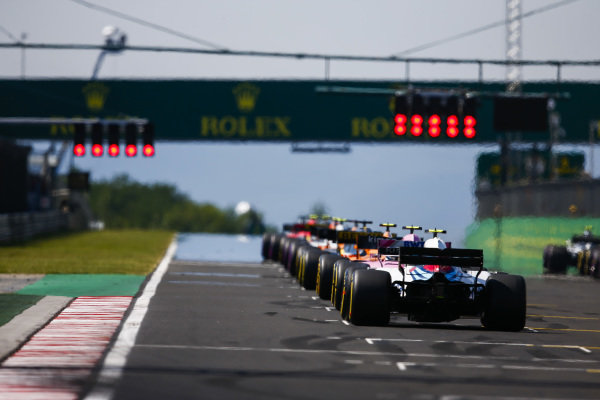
(404, 184)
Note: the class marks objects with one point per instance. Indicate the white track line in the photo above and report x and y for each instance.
(112, 369)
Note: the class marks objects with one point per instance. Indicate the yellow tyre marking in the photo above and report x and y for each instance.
(560, 316)
(566, 329)
(351, 299)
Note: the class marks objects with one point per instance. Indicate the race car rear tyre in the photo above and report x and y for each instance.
(274, 248)
(325, 275)
(291, 261)
(310, 265)
(266, 244)
(370, 298)
(595, 263)
(300, 260)
(555, 259)
(285, 246)
(505, 303)
(337, 285)
(348, 276)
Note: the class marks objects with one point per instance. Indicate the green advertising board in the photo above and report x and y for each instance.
(264, 110)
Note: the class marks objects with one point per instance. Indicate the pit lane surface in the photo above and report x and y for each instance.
(247, 331)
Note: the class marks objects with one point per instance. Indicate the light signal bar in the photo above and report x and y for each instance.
(113, 140)
(452, 123)
(148, 140)
(417, 125)
(429, 113)
(131, 140)
(79, 140)
(469, 129)
(434, 125)
(400, 127)
(97, 148)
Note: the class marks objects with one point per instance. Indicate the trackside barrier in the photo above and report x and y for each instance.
(16, 227)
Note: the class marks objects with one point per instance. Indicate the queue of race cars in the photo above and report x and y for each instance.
(370, 275)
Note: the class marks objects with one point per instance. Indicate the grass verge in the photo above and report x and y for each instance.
(134, 252)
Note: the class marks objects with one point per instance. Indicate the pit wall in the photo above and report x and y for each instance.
(516, 244)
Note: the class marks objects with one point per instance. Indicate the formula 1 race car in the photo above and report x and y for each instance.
(342, 270)
(581, 251)
(358, 245)
(429, 282)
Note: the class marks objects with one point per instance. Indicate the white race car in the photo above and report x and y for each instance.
(429, 282)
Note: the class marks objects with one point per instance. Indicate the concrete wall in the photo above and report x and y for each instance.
(561, 199)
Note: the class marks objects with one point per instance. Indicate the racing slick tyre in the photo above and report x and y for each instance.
(505, 303)
(308, 271)
(555, 259)
(274, 248)
(370, 297)
(595, 263)
(325, 274)
(285, 246)
(337, 285)
(290, 263)
(300, 261)
(266, 245)
(348, 276)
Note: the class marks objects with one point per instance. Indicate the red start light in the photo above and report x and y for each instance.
(417, 121)
(400, 127)
(452, 128)
(97, 150)
(434, 125)
(131, 150)
(401, 119)
(148, 150)
(434, 131)
(435, 120)
(79, 150)
(113, 150)
(469, 129)
(400, 130)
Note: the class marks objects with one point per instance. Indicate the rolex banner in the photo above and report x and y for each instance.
(269, 110)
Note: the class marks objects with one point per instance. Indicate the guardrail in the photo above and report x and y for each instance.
(17, 227)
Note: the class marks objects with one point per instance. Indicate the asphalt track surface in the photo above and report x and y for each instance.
(248, 331)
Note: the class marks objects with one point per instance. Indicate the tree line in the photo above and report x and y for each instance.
(124, 203)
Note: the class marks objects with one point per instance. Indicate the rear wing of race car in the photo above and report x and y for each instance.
(323, 232)
(362, 240)
(295, 227)
(464, 258)
(468, 258)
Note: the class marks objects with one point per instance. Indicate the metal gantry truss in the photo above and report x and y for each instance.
(326, 58)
